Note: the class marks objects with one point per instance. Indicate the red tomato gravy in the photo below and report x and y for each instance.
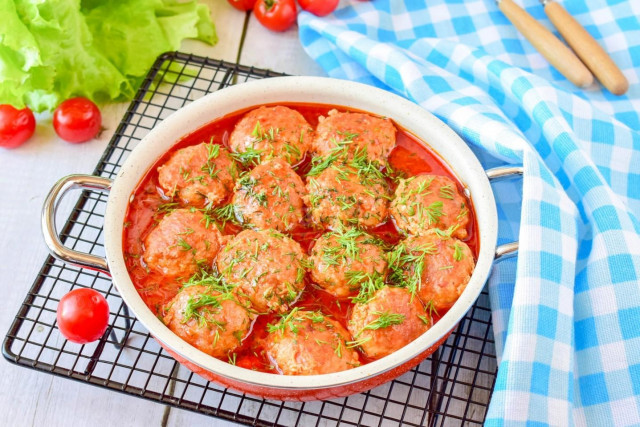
(410, 156)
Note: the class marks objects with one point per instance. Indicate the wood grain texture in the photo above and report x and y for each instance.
(549, 46)
(280, 52)
(29, 398)
(588, 49)
(229, 23)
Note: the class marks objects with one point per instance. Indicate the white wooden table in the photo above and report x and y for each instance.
(28, 397)
(26, 174)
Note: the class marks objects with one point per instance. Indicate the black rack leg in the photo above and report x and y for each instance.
(118, 344)
(127, 323)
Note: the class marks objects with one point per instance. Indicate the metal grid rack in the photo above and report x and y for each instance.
(452, 387)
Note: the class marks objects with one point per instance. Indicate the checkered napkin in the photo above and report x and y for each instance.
(566, 314)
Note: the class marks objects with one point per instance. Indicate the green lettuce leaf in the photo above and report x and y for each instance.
(52, 50)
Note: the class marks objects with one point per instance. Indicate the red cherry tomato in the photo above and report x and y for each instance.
(83, 315)
(77, 120)
(16, 126)
(243, 5)
(319, 7)
(276, 15)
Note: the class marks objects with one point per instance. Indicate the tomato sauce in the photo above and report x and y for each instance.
(410, 157)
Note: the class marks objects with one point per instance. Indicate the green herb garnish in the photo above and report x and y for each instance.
(384, 320)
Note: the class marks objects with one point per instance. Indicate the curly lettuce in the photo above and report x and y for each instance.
(51, 50)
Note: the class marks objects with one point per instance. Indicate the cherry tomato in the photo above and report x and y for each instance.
(243, 5)
(77, 120)
(276, 15)
(83, 315)
(16, 126)
(319, 7)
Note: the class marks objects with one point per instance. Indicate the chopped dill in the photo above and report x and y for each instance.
(369, 285)
(446, 234)
(433, 212)
(292, 152)
(188, 231)
(384, 320)
(358, 342)
(249, 157)
(430, 309)
(213, 151)
(168, 207)
(260, 135)
(338, 349)
(347, 136)
(212, 280)
(232, 358)
(345, 163)
(343, 246)
(407, 265)
(446, 192)
(287, 321)
(184, 246)
(300, 274)
(222, 214)
(291, 320)
(463, 212)
(457, 252)
(247, 183)
(198, 307)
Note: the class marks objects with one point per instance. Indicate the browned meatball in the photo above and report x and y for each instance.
(347, 194)
(390, 320)
(208, 320)
(199, 175)
(272, 132)
(343, 259)
(181, 243)
(437, 267)
(267, 268)
(425, 202)
(357, 132)
(309, 343)
(270, 196)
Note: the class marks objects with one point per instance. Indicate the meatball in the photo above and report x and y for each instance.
(270, 196)
(357, 132)
(199, 175)
(181, 244)
(435, 266)
(391, 319)
(266, 267)
(425, 202)
(272, 132)
(343, 259)
(346, 194)
(309, 343)
(208, 320)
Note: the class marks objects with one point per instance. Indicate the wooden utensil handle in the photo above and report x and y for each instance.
(556, 52)
(587, 49)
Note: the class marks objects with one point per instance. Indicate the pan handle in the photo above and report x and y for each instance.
(507, 250)
(50, 232)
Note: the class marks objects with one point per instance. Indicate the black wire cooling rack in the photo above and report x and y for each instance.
(452, 387)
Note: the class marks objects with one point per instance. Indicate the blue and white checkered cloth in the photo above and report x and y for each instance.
(568, 331)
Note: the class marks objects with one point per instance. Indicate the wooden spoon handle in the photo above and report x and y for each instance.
(556, 52)
(587, 49)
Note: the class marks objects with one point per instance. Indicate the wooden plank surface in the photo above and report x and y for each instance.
(31, 398)
(278, 52)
